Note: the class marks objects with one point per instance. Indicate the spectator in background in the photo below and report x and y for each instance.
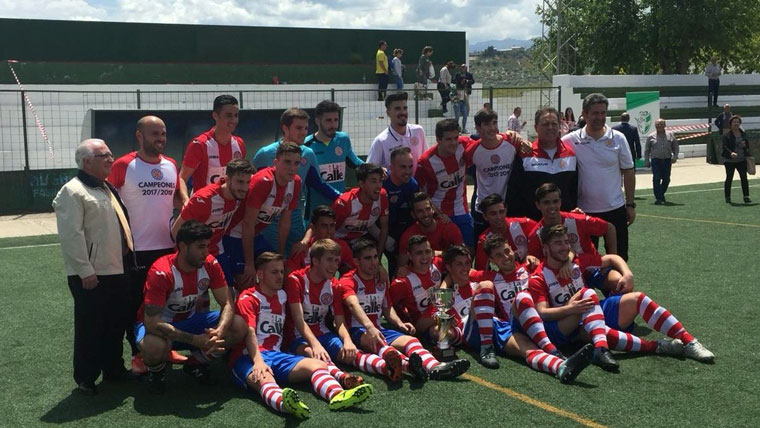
(735, 152)
(425, 70)
(397, 68)
(444, 84)
(723, 121)
(713, 80)
(513, 123)
(631, 134)
(381, 70)
(487, 106)
(463, 82)
(662, 147)
(567, 122)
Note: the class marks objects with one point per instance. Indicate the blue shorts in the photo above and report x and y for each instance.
(269, 234)
(281, 364)
(464, 223)
(231, 261)
(595, 278)
(261, 245)
(552, 332)
(390, 335)
(502, 331)
(611, 308)
(330, 341)
(196, 324)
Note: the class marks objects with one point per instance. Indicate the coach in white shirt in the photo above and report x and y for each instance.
(603, 156)
(398, 133)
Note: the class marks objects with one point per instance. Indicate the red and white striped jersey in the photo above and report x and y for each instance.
(373, 297)
(353, 218)
(147, 190)
(410, 294)
(209, 158)
(492, 166)
(444, 179)
(210, 207)
(316, 299)
(518, 231)
(270, 199)
(506, 287)
(580, 229)
(180, 293)
(546, 286)
(302, 259)
(462, 302)
(266, 314)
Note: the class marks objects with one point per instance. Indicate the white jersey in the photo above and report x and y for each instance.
(492, 168)
(386, 141)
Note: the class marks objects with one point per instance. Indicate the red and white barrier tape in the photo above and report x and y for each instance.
(681, 128)
(686, 137)
(37, 120)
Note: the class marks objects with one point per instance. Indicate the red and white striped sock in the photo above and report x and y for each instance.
(531, 322)
(415, 347)
(482, 306)
(593, 319)
(271, 393)
(335, 372)
(456, 337)
(543, 362)
(369, 363)
(661, 319)
(324, 384)
(622, 341)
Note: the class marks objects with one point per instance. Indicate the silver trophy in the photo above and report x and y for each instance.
(443, 299)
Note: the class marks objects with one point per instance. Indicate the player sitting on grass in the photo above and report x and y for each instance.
(564, 303)
(514, 229)
(322, 227)
(174, 312)
(365, 299)
(313, 292)
(260, 365)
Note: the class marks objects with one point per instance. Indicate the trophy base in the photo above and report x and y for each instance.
(444, 355)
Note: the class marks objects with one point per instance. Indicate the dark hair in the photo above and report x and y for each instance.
(485, 115)
(455, 251)
(415, 240)
(362, 244)
(192, 231)
(427, 49)
(326, 106)
(572, 115)
(548, 233)
(224, 100)
(322, 211)
(267, 257)
(625, 117)
(514, 110)
(238, 166)
(545, 189)
(381, 43)
(291, 114)
(398, 151)
(490, 201)
(320, 247)
(287, 147)
(396, 96)
(492, 242)
(446, 125)
(595, 98)
(419, 197)
(364, 170)
(546, 110)
(734, 117)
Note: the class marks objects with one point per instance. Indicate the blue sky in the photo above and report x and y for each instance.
(482, 20)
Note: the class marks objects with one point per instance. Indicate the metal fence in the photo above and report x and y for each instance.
(65, 116)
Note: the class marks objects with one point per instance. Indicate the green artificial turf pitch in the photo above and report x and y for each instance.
(697, 256)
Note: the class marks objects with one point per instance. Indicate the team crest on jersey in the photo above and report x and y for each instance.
(338, 151)
(288, 197)
(609, 143)
(303, 161)
(380, 286)
(572, 237)
(326, 298)
(523, 275)
(394, 199)
(375, 211)
(237, 155)
(495, 159)
(562, 164)
(521, 240)
(576, 273)
(435, 276)
(203, 283)
(415, 141)
(156, 173)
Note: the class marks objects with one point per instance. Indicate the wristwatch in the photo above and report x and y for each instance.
(630, 205)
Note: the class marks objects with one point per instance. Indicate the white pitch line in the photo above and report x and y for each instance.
(697, 191)
(28, 246)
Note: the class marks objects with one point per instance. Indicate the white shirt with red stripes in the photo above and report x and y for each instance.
(269, 198)
(373, 296)
(209, 158)
(411, 293)
(444, 179)
(353, 218)
(210, 207)
(266, 314)
(506, 286)
(317, 299)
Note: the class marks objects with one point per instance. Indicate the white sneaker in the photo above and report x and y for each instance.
(669, 347)
(697, 351)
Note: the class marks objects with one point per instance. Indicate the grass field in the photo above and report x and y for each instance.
(698, 257)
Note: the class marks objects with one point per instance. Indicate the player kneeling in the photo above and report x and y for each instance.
(366, 298)
(260, 365)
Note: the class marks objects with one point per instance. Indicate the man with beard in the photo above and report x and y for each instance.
(400, 187)
(360, 208)
(332, 149)
(149, 185)
(398, 133)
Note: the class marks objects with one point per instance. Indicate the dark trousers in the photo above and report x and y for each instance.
(100, 318)
(619, 218)
(712, 88)
(660, 177)
(145, 260)
(382, 86)
(445, 96)
(741, 167)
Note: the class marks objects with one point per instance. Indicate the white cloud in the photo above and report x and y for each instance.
(52, 9)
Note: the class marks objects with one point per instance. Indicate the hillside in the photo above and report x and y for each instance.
(510, 68)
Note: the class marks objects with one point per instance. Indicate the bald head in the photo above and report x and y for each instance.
(659, 125)
(147, 120)
(151, 134)
(625, 117)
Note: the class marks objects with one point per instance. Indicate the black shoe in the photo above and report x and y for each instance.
(87, 388)
(573, 366)
(603, 358)
(449, 370)
(200, 372)
(487, 357)
(558, 354)
(659, 202)
(747, 200)
(157, 382)
(728, 200)
(416, 368)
